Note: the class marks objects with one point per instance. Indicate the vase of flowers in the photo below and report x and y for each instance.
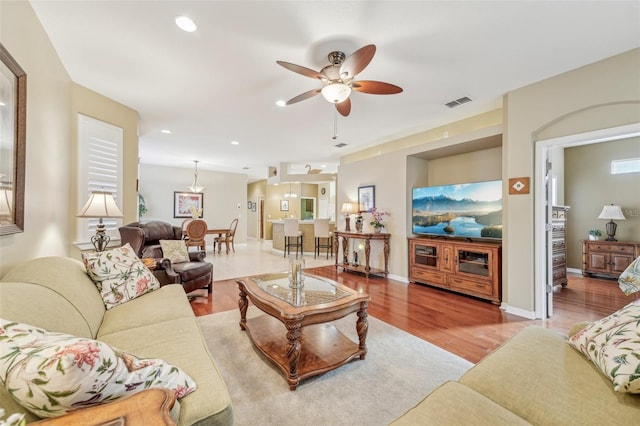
(195, 212)
(594, 234)
(376, 219)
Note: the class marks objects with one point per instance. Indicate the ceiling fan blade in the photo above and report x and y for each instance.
(344, 107)
(307, 72)
(303, 96)
(375, 87)
(357, 61)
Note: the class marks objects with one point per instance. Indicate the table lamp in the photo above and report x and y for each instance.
(100, 204)
(348, 209)
(611, 212)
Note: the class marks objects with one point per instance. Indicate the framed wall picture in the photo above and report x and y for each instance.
(185, 203)
(366, 198)
(13, 102)
(284, 205)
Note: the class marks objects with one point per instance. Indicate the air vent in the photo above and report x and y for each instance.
(246, 168)
(457, 102)
(340, 145)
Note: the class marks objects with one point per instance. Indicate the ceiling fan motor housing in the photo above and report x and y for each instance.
(336, 58)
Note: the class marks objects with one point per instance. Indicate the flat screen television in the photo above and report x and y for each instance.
(469, 210)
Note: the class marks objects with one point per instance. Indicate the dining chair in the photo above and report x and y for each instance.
(227, 238)
(292, 236)
(323, 237)
(195, 234)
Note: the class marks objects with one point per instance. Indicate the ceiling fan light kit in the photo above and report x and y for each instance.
(338, 79)
(336, 92)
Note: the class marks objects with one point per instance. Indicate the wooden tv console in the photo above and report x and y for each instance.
(472, 268)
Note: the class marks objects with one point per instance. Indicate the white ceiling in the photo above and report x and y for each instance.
(221, 83)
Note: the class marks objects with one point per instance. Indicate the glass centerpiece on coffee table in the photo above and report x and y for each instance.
(295, 331)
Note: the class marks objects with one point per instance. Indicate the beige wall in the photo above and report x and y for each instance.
(474, 166)
(225, 196)
(601, 95)
(254, 191)
(590, 185)
(48, 143)
(53, 102)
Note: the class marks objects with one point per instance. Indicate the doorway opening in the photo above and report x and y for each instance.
(542, 229)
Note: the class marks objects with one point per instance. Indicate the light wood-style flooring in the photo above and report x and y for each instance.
(468, 327)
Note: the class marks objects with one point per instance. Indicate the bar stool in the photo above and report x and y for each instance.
(293, 233)
(321, 231)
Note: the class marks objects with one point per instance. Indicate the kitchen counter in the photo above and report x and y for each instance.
(306, 226)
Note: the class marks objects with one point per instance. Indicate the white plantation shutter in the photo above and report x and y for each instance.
(100, 147)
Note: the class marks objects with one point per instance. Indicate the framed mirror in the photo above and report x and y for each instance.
(13, 124)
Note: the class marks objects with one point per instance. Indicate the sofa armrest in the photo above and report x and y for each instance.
(197, 256)
(166, 273)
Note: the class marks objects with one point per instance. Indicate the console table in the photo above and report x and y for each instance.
(367, 237)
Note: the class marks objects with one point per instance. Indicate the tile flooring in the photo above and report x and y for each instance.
(255, 257)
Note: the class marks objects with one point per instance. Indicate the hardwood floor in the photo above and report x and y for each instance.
(462, 325)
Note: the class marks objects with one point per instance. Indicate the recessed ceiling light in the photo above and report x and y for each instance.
(167, 131)
(235, 143)
(186, 24)
(281, 103)
(323, 166)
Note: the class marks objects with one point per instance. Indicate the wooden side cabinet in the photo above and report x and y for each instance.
(464, 267)
(608, 258)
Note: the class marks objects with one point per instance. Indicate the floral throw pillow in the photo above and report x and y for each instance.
(51, 374)
(119, 275)
(629, 280)
(613, 345)
(175, 250)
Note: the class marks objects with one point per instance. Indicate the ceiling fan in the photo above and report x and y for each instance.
(338, 79)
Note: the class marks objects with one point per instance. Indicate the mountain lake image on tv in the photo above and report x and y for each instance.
(469, 210)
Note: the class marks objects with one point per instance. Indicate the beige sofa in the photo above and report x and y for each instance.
(56, 294)
(534, 378)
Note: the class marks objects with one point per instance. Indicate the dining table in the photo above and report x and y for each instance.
(220, 232)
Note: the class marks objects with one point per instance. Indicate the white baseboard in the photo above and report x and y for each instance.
(517, 311)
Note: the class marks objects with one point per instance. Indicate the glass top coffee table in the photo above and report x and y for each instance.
(307, 345)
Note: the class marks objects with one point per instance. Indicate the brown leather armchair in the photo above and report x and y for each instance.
(144, 238)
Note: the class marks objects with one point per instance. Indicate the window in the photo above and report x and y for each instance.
(100, 147)
(627, 165)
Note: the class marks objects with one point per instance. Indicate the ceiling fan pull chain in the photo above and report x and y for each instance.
(335, 124)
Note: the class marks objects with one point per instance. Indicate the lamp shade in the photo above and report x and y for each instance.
(336, 92)
(611, 212)
(348, 208)
(100, 204)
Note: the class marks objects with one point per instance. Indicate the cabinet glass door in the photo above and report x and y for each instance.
(473, 262)
(425, 255)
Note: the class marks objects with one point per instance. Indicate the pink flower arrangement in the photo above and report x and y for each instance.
(377, 218)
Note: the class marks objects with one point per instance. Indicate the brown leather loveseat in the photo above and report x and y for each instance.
(144, 238)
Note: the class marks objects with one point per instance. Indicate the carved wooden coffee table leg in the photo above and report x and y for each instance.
(293, 352)
(362, 327)
(243, 304)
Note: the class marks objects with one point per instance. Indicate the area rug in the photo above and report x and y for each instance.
(398, 372)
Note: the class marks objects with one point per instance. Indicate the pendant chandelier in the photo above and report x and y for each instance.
(290, 194)
(195, 187)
